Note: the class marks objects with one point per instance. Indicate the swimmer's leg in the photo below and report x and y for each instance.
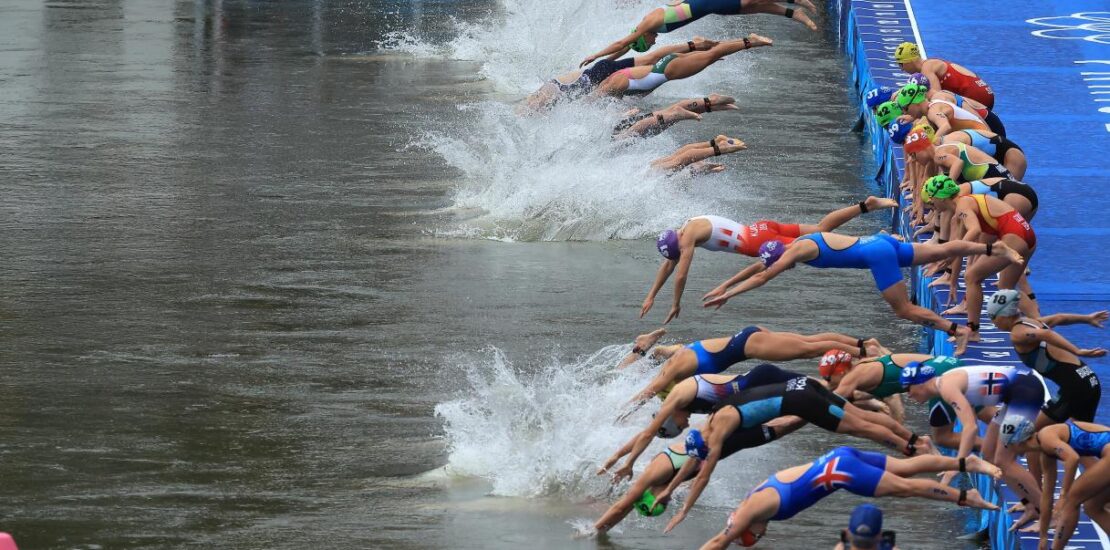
(906, 467)
(855, 425)
(775, 9)
(927, 253)
(784, 346)
(841, 216)
(891, 485)
(694, 152)
(687, 65)
(658, 122)
(896, 296)
(716, 102)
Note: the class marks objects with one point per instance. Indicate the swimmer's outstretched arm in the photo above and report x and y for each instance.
(661, 276)
(1057, 319)
(694, 152)
(787, 261)
(641, 440)
(715, 442)
(1029, 335)
(616, 456)
(743, 275)
(652, 20)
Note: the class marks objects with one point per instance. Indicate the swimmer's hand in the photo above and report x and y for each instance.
(713, 293)
(608, 464)
(718, 301)
(623, 472)
(646, 306)
(681, 515)
(1097, 318)
(587, 61)
(1091, 352)
(673, 313)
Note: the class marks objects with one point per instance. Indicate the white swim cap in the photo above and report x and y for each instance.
(1003, 303)
(1015, 429)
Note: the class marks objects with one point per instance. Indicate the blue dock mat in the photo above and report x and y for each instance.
(1049, 65)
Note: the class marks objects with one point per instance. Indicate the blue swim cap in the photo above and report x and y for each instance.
(695, 445)
(899, 130)
(667, 244)
(915, 373)
(876, 96)
(770, 252)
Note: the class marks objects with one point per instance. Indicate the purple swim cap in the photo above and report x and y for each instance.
(667, 243)
(918, 78)
(770, 252)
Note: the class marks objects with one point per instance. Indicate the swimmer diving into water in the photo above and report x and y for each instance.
(791, 491)
(882, 254)
(692, 155)
(575, 84)
(642, 80)
(715, 355)
(676, 15)
(724, 235)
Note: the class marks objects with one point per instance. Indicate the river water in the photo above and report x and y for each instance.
(292, 274)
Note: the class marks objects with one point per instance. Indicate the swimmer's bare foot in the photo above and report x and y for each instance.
(1034, 527)
(729, 145)
(644, 342)
(1017, 507)
(925, 446)
(804, 19)
(973, 500)
(1001, 249)
(960, 340)
(758, 40)
(875, 203)
(1030, 514)
(934, 268)
(976, 464)
(958, 309)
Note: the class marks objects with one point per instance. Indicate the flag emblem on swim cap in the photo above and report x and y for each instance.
(916, 141)
(834, 362)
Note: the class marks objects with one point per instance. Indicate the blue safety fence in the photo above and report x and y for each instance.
(869, 31)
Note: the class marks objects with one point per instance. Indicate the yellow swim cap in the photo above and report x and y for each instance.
(906, 52)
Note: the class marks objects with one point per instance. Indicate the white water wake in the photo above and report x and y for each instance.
(560, 176)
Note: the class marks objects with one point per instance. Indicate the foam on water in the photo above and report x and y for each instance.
(559, 176)
(546, 432)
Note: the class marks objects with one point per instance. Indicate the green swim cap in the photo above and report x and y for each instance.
(939, 187)
(647, 506)
(911, 94)
(887, 112)
(641, 44)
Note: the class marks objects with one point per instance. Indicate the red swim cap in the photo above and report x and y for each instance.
(916, 141)
(834, 362)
